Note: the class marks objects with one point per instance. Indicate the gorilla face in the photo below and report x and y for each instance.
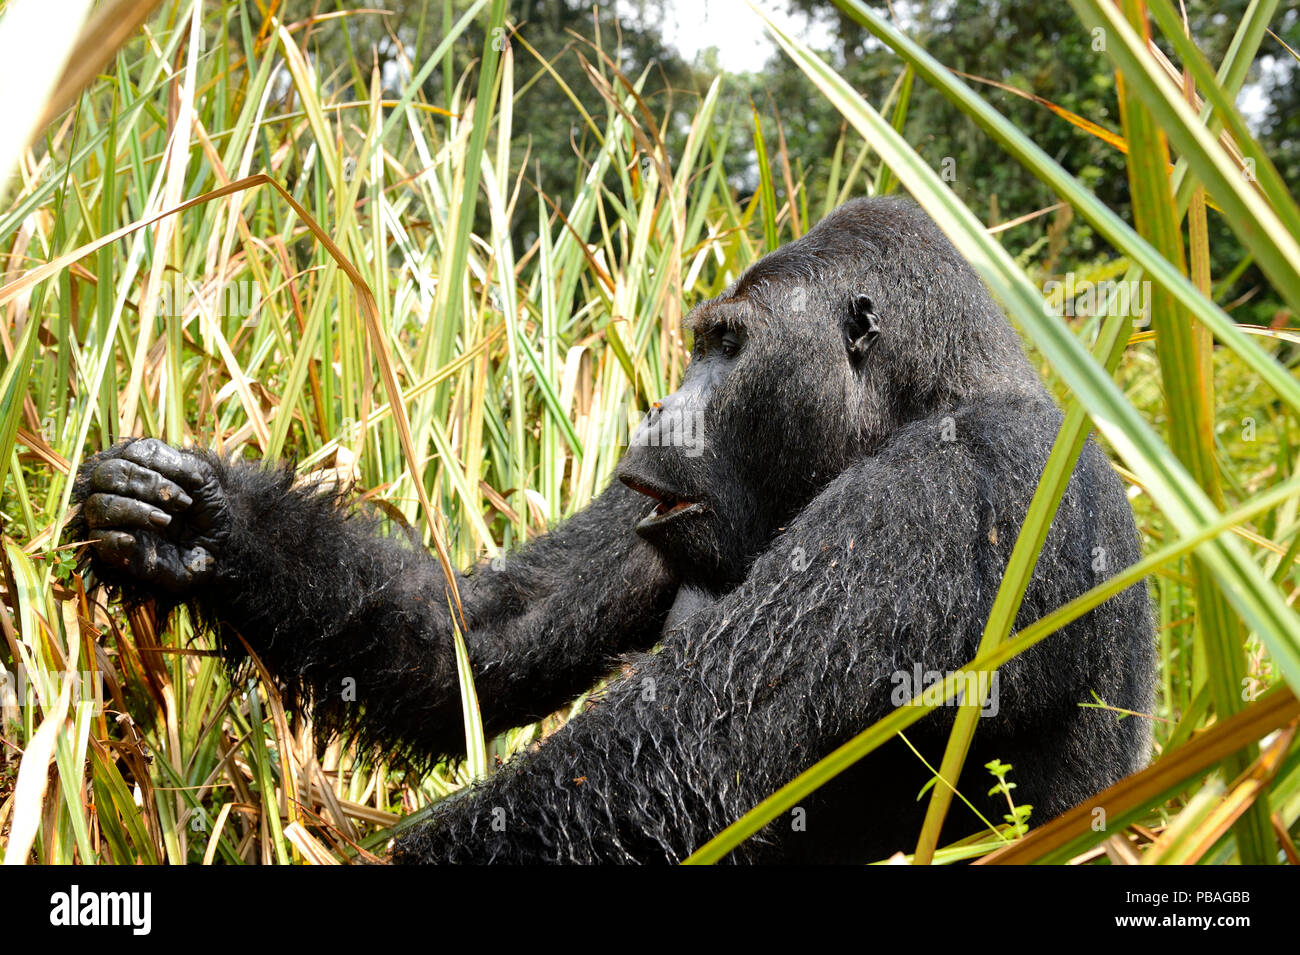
(771, 408)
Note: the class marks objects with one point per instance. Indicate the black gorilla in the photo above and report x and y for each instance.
(833, 495)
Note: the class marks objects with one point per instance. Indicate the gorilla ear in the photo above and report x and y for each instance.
(862, 327)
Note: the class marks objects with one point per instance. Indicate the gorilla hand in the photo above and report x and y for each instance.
(158, 516)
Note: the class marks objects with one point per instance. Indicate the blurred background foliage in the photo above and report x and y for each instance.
(1037, 49)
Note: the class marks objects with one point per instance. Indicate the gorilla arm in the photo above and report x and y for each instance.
(747, 693)
(357, 623)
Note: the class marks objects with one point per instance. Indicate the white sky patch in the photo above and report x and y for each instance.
(729, 27)
(1253, 102)
(1253, 106)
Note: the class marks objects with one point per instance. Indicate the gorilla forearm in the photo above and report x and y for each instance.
(754, 689)
(541, 629)
(558, 615)
(357, 623)
(352, 621)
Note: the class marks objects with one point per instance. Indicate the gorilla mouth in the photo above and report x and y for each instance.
(669, 506)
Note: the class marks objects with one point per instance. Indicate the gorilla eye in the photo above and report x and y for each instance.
(729, 344)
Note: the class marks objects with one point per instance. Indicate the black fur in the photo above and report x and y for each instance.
(871, 436)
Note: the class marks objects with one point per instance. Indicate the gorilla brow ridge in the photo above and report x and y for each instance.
(726, 313)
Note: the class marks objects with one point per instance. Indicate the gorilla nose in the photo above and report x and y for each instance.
(675, 422)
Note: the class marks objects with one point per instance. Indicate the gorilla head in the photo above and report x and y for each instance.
(817, 354)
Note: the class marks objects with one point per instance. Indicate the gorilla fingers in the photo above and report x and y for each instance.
(157, 514)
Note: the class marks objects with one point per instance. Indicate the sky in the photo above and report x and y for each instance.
(730, 26)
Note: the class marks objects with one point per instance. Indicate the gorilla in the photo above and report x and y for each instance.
(824, 508)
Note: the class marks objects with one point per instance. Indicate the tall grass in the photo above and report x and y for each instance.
(227, 243)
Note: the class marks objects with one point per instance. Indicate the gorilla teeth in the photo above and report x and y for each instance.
(669, 504)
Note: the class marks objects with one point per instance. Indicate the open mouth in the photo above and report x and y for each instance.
(668, 506)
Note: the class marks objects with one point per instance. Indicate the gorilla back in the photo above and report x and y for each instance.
(822, 512)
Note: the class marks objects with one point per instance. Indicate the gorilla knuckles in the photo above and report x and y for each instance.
(156, 516)
(828, 500)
